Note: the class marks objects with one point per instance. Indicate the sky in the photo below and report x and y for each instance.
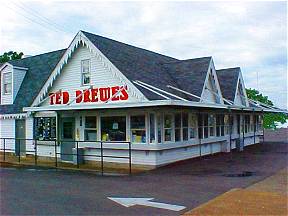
(252, 35)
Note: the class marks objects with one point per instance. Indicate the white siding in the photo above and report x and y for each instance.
(8, 98)
(18, 76)
(8, 131)
(70, 78)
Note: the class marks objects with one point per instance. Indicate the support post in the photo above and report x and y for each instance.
(130, 159)
(199, 134)
(35, 152)
(102, 162)
(254, 126)
(19, 152)
(55, 150)
(263, 125)
(4, 143)
(77, 145)
(243, 128)
(230, 132)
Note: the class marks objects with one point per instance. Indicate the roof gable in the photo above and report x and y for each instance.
(228, 79)
(39, 69)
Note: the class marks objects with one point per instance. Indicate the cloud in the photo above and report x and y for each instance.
(251, 35)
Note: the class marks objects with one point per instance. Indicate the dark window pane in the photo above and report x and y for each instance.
(138, 122)
(178, 134)
(185, 133)
(185, 119)
(90, 135)
(90, 122)
(113, 128)
(152, 128)
(178, 120)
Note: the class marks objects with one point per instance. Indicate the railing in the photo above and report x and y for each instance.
(56, 144)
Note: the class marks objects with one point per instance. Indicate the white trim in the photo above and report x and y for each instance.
(14, 116)
(149, 89)
(185, 92)
(240, 79)
(80, 38)
(211, 67)
(158, 89)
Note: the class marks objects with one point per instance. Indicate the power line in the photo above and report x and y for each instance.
(43, 18)
(35, 21)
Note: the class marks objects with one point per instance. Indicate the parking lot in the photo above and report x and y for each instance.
(188, 183)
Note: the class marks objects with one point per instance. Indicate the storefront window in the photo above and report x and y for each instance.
(113, 128)
(90, 131)
(247, 123)
(205, 125)
(152, 127)
(45, 128)
(178, 127)
(138, 129)
(185, 126)
(192, 126)
(167, 127)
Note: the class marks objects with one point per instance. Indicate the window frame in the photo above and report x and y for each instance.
(84, 73)
(90, 129)
(7, 83)
(138, 129)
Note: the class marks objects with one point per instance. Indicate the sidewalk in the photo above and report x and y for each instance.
(268, 197)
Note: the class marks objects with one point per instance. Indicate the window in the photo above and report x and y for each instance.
(159, 128)
(152, 127)
(185, 126)
(7, 83)
(138, 129)
(113, 128)
(192, 126)
(90, 131)
(167, 127)
(85, 71)
(178, 127)
(220, 125)
(226, 124)
(211, 124)
(205, 125)
(45, 128)
(247, 123)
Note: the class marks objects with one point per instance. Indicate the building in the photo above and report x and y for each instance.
(99, 89)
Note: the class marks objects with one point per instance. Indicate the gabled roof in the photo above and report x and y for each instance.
(228, 81)
(39, 69)
(189, 74)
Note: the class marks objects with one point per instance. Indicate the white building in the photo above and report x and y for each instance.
(99, 89)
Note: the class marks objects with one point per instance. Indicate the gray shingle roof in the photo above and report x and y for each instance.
(135, 63)
(40, 67)
(228, 81)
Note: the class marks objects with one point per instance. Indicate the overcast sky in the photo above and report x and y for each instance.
(251, 35)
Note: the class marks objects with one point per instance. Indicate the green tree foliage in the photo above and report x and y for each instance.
(7, 56)
(270, 120)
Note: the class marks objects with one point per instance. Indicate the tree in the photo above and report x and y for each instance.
(7, 56)
(270, 120)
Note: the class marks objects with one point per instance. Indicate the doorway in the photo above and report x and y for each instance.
(20, 135)
(67, 138)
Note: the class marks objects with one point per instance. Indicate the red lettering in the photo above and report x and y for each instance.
(124, 95)
(58, 98)
(87, 96)
(65, 97)
(78, 96)
(94, 94)
(52, 97)
(115, 92)
(104, 94)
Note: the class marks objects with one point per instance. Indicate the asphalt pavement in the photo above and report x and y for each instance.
(189, 183)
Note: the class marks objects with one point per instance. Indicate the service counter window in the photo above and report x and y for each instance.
(192, 126)
(178, 127)
(152, 127)
(168, 122)
(138, 129)
(90, 131)
(113, 128)
(45, 128)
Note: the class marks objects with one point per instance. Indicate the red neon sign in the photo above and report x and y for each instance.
(115, 93)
